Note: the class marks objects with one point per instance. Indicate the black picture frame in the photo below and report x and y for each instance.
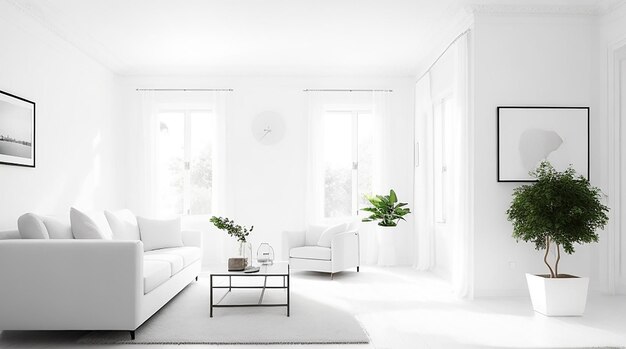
(12, 101)
(499, 112)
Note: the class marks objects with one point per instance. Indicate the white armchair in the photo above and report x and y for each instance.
(327, 250)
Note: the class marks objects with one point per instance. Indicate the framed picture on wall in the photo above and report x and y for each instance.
(529, 135)
(17, 130)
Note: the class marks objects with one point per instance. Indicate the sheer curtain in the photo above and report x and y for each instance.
(146, 182)
(318, 103)
(146, 178)
(424, 242)
(458, 227)
(462, 177)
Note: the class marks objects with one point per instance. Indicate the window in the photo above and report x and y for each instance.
(443, 112)
(348, 161)
(184, 161)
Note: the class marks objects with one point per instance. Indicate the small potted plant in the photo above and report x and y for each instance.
(387, 211)
(559, 210)
(237, 231)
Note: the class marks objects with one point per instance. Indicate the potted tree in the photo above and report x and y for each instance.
(559, 210)
(387, 211)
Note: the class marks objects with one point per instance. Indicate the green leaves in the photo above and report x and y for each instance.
(561, 206)
(386, 209)
(234, 230)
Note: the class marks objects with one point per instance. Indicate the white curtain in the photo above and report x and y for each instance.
(458, 226)
(145, 200)
(146, 179)
(318, 103)
(462, 177)
(424, 241)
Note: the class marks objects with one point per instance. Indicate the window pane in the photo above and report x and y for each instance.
(338, 164)
(170, 162)
(366, 157)
(201, 174)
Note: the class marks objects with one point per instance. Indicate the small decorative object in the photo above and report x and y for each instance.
(529, 135)
(239, 232)
(559, 210)
(17, 131)
(252, 269)
(265, 254)
(237, 263)
(387, 211)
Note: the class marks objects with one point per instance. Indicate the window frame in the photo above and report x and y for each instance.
(355, 111)
(186, 109)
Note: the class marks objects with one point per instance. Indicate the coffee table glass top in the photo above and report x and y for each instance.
(277, 268)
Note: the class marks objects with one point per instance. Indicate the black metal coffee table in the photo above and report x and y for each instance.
(278, 269)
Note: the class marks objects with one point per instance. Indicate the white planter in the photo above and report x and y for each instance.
(386, 238)
(559, 296)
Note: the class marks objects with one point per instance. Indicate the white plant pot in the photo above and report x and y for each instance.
(386, 238)
(558, 296)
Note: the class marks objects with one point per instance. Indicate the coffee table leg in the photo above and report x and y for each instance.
(288, 300)
(211, 301)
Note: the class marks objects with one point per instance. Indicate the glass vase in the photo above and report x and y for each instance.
(244, 250)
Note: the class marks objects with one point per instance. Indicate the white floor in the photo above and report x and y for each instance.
(403, 308)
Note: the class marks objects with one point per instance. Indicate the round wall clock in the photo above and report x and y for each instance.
(268, 128)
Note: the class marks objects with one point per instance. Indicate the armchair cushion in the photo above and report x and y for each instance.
(311, 252)
(328, 234)
(313, 234)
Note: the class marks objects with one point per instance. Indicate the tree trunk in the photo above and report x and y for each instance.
(545, 257)
(558, 258)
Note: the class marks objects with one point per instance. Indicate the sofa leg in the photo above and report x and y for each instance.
(357, 269)
(331, 276)
(196, 278)
(132, 335)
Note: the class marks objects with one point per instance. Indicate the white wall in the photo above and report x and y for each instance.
(268, 182)
(525, 60)
(76, 144)
(611, 37)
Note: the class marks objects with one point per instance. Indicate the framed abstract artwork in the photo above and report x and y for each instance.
(529, 135)
(17, 130)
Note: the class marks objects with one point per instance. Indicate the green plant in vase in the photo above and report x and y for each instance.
(386, 210)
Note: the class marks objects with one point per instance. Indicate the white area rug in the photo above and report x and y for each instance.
(185, 320)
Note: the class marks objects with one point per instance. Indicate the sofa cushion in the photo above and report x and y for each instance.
(328, 234)
(34, 226)
(160, 233)
(123, 225)
(89, 226)
(58, 228)
(188, 254)
(311, 252)
(313, 234)
(175, 261)
(155, 273)
(31, 226)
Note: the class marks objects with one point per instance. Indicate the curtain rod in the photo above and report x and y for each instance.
(185, 89)
(443, 53)
(344, 90)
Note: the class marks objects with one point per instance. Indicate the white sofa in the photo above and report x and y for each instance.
(71, 284)
(323, 249)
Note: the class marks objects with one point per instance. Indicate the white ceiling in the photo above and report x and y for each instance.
(261, 37)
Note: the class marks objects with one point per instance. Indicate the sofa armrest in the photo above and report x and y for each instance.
(292, 239)
(70, 284)
(345, 250)
(192, 238)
